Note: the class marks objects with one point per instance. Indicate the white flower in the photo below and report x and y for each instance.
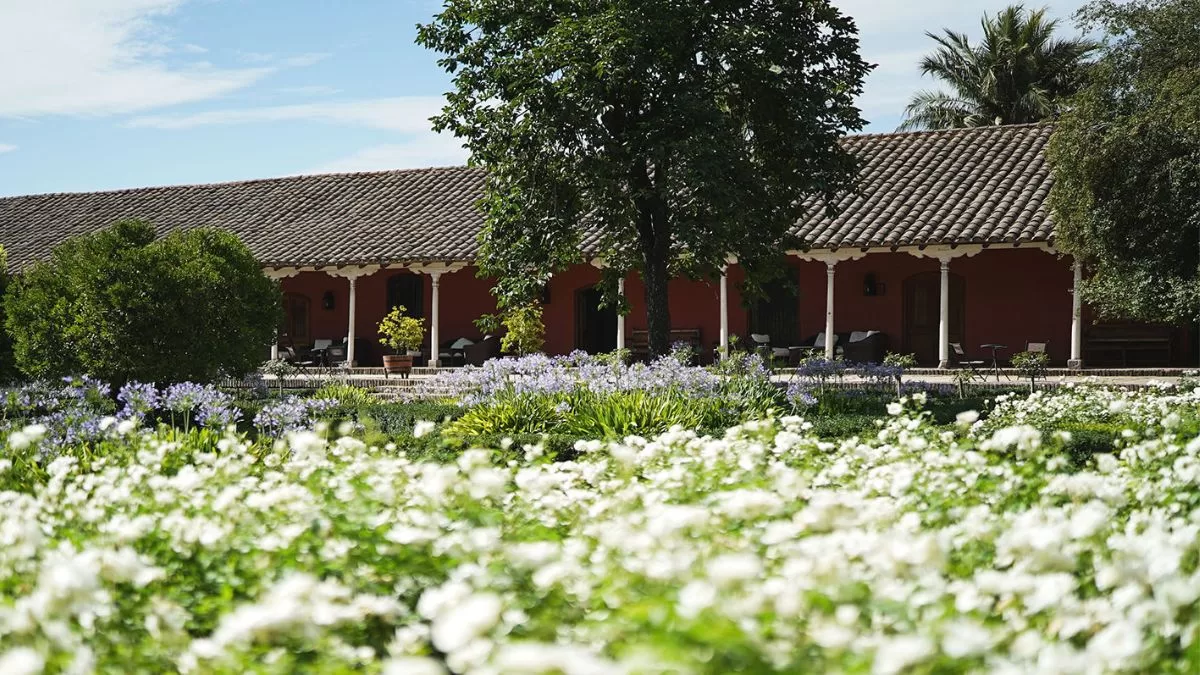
(964, 638)
(423, 428)
(456, 627)
(967, 417)
(895, 408)
(412, 665)
(896, 654)
(528, 657)
(695, 597)
(18, 440)
(733, 567)
(21, 661)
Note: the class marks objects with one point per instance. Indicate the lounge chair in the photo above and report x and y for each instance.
(487, 348)
(865, 346)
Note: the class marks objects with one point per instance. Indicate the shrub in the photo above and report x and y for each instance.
(1032, 366)
(122, 305)
(636, 412)
(348, 395)
(400, 332)
(397, 419)
(514, 414)
(8, 365)
(524, 331)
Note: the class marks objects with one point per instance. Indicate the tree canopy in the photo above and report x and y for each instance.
(1126, 160)
(122, 305)
(1018, 73)
(660, 136)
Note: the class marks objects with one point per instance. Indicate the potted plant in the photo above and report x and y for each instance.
(403, 334)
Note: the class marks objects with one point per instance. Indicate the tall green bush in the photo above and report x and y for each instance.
(121, 305)
(8, 365)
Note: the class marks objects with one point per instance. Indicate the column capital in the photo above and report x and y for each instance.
(278, 273)
(946, 253)
(352, 272)
(436, 269)
(830, 257)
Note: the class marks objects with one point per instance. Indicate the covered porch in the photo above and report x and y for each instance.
(919, 300)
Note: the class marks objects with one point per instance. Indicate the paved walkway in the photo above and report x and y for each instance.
(1015, 381)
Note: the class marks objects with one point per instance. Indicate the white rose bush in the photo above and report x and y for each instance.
(976, 546)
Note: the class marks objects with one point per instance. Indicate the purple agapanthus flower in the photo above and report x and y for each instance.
(185, 397)
(138, 398)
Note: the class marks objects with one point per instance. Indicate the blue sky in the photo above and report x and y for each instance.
(102, 94)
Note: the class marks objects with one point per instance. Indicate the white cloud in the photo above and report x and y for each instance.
(404, 114)
(5, 147)
(421, 151)
(308, 90)
(97, 57)
(892, 35)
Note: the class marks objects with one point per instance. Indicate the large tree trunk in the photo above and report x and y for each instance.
(654, 240)
(658, 309)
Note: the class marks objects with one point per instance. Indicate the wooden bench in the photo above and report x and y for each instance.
(639, 341)
(1114, 344)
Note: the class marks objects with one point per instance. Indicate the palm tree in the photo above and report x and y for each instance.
(1019, 73)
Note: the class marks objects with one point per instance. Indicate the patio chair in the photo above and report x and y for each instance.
(320, 350)
(865, 346)
(959, 357)
(762, 343)
(335, 355)
(487, 348)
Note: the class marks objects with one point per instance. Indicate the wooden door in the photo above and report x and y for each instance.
(777, 313)
(595, 326)
(296, 319)
(922, 307)
(408, 291)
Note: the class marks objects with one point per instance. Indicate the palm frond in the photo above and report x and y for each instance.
(1018, 72)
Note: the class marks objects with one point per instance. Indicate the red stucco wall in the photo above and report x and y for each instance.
(1012, 296)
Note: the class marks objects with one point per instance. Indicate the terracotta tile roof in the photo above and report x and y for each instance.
(336, 219)
(984, 185)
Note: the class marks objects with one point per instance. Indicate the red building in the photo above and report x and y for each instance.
(947, 241)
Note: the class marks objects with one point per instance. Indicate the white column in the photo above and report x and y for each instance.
(435, 351)
(1076, 318)
(275, 349)
(724, 345)
(829, 339)
(621, 316)
(944, 317)
(350, 329)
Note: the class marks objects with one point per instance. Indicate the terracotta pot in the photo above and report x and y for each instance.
(397, 363)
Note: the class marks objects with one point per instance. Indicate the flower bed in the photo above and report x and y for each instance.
(919, 548)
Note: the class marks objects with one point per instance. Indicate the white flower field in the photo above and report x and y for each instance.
(978, 547)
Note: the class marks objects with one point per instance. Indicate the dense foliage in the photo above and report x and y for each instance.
(1018, 73)
(679, 133)
(8, 362)
(1126, 161)
(124, 305)
(981, 545)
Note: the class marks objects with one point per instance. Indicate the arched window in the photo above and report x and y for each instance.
(297, 317)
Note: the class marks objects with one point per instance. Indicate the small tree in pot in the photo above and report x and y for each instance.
(402, 333)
